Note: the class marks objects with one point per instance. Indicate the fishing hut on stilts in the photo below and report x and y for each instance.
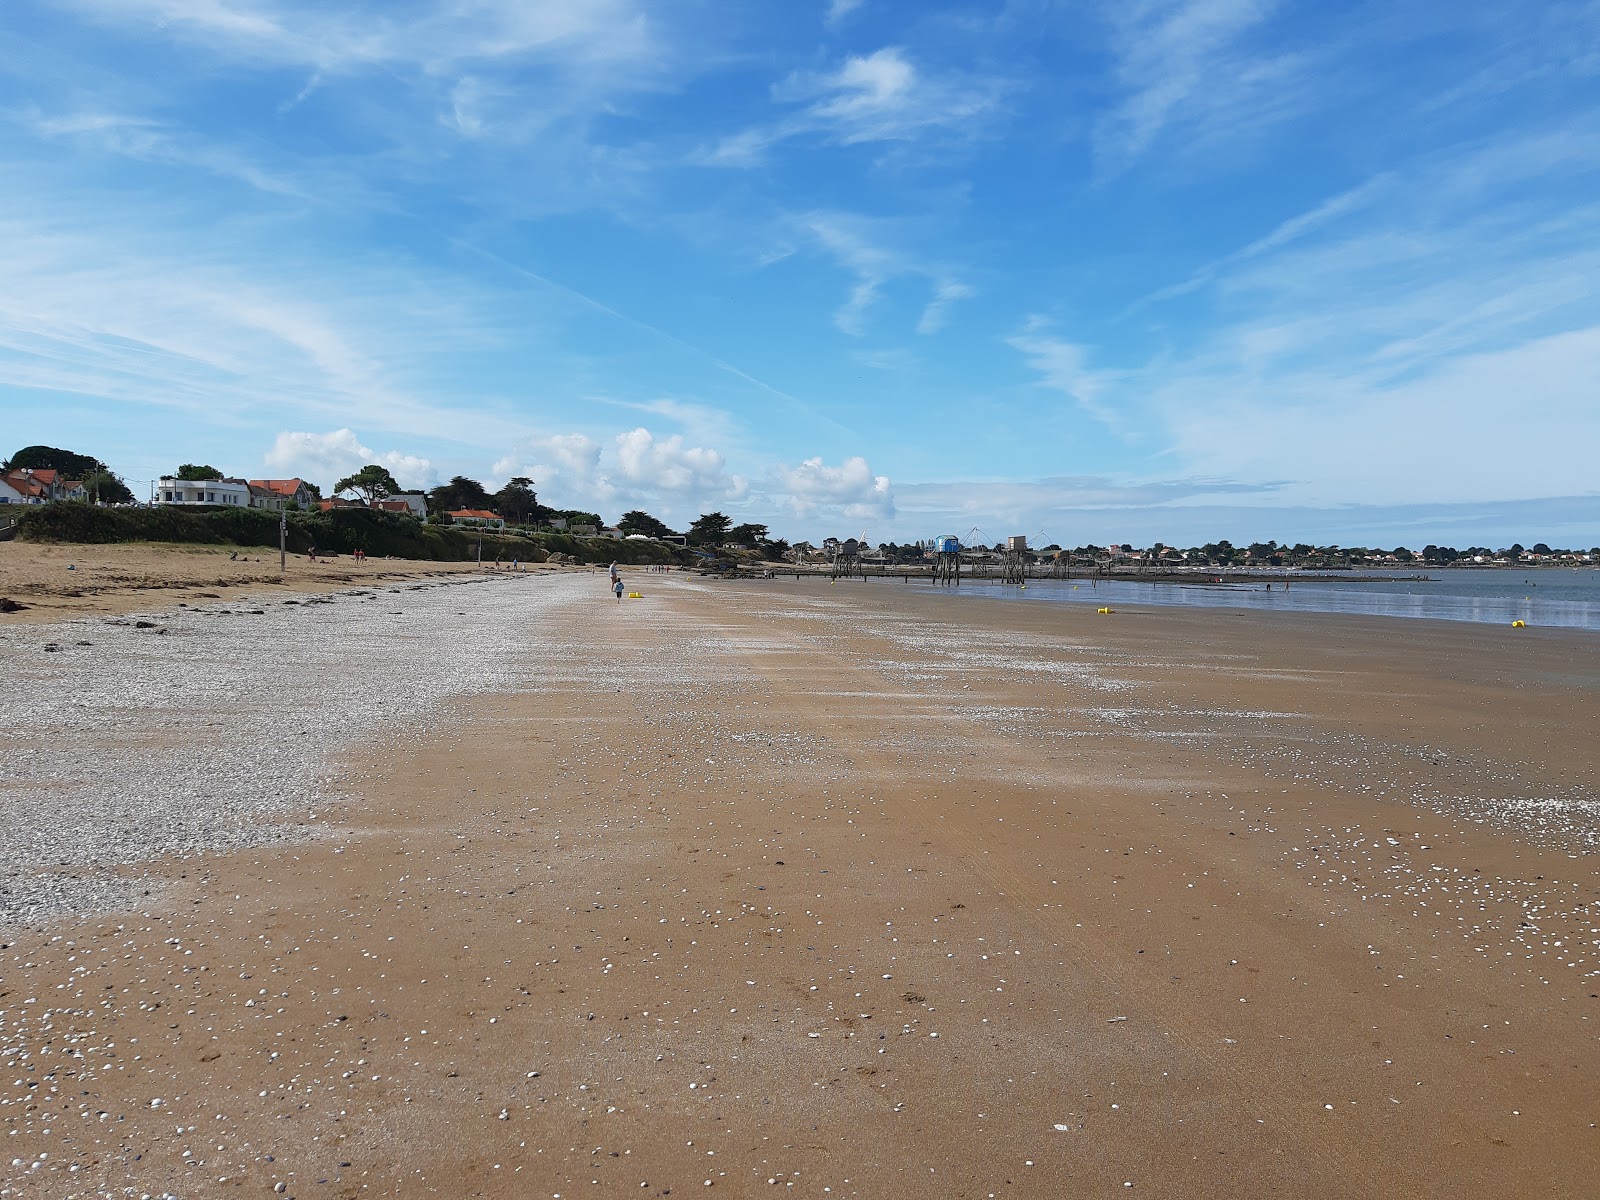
(846, 559)
(947, 560)
(1014, 566)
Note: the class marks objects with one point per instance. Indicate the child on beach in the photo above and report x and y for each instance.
(616, 587)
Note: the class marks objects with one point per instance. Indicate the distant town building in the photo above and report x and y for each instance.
(1017, 543)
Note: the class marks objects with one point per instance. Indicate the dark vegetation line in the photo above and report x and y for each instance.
(337, 531)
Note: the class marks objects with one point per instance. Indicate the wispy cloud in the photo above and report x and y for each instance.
(1063, 366)
(1191, 65)
(854, 242)
(885, 96)
(838, 11)
(153, 141)
(337, 39)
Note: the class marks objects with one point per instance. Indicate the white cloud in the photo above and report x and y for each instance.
(1186, 63)
(885, 96)
(945, 293)
(326, 458)
(637, 469)
(854, 241)
(850, 489)
(1064, 366)
(655, 466)
(838, 10)
(880, 97)
(429, 37)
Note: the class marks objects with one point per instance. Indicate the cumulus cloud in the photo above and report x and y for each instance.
(850, 488)
(667, 465)
(636, 468)
(325, 458)
(571, 460)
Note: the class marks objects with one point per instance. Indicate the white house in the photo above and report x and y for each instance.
(232, 492)
(477, 518)
(9, 494)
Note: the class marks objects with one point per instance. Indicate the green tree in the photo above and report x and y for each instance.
(642, 522)
(370, 484)
(197, 472)
(516, 501)
(748, 534)
(459, 493)
(710, 529)
(576, 516)
(51, 458)
(776, 550)
(103, 487)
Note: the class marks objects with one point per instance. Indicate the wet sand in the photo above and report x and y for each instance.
(858, 890)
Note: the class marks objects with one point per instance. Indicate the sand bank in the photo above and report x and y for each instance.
(853, 892)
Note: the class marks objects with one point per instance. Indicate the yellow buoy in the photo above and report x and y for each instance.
(635, 595)
(1519, 624)
(1106, 610)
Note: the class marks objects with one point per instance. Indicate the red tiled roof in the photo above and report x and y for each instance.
(477, 513)
(27, 485)
(284, 487)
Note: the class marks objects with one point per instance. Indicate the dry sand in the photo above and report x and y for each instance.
(859, 890)
(54, 582)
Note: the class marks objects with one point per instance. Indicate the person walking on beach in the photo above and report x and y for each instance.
(616, 588)
(614, 575)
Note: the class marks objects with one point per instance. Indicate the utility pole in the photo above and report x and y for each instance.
(283, 542)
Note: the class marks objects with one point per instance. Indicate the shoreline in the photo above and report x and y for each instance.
(865, 896)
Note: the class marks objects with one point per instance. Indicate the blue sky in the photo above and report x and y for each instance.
(1088, 271)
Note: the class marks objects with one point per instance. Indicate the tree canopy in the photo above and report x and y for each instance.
(100, 482)
(643, 523)
(516, 501)
(197, 472)
(459, 493)
(50, 458)
(103, 487)
(748, 534)
(710, 529)
(369, 484)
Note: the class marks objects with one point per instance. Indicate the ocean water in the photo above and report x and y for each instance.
(1547, 597)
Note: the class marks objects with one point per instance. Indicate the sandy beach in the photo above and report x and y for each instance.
(495, 887)
(53, 582)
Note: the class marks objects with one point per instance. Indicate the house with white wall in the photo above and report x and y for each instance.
(171, 491)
